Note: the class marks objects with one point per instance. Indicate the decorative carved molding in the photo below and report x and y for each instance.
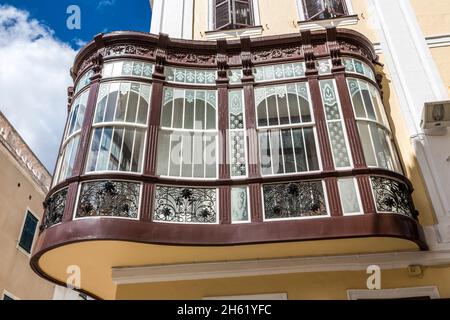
(246, 57)
(334, 48)
(222, 59)
(308, 51)
(276, 53)
(352, 48)
(189, 57)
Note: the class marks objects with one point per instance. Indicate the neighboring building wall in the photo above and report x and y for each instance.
(304, 286)
(24, 184)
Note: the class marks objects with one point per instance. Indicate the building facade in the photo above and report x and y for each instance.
(257, 149)
(25, 183)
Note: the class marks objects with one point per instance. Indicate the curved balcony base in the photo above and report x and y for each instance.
(98, 245)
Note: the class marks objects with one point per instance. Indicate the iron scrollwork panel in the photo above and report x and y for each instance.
(392, 196)
(294, 200)
(185, 205)
(109, 199)
(54, 209)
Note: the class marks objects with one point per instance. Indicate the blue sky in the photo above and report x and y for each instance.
(96, 16)
(37, 51)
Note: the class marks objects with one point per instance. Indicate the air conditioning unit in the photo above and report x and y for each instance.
(436, 117)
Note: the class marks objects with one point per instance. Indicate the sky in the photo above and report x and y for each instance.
(37, 50)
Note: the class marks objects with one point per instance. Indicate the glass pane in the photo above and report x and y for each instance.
(198, 156)
(358, 105)
(366, 141)
(189, 114)
(111, 105)
(305, 110)
(132, 106)
(293, 108)
(138, 151)
(163, 153)
(178, 114)
(127, 149)
(186, 168)
(95, 147)
(277, 152)
(239, 205)
(210, 117)
(210, 156)
(122, 103)
(299, 150)
(175, 155)
(115, 149)
(242, 11)
(103, 157)
(222, 15)
(262, 114)
(200, 114)
(272, 110)
(349, 196)
(166, 120)
(264, 146)
(283, 108)
(368, 101)
(99, 113)
(289, 160)
(144, 104)
(379, 150)
(28, 232)
(313, 160)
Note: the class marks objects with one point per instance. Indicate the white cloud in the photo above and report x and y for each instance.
(34, 76)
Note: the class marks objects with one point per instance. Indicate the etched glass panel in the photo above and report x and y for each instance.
(279, 71)
(349, 196)
(190, 76)
(128, 68)
(359, 67)
(294, 200)
(239, 205)
(392, 196)
(235, 76)
(237, 134)
(323, 66)
(109, 199)
(335, 124)
(185, 205)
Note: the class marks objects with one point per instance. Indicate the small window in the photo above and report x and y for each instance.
(28, 231)
(233, 14)
(324, 9)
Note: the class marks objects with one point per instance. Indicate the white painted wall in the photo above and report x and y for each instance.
(173, 17)
(416, 80)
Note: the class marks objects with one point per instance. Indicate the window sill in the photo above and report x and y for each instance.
(234, 33)
(326, 23)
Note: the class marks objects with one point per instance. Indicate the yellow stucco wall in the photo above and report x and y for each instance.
(305, 286)
(16, 275)
(441, 57)
(433, 16)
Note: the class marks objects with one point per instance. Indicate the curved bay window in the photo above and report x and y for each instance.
(324, 9)
(373, 126)
(71, 141)
(120, 124)
(287, 140)
(187, 145)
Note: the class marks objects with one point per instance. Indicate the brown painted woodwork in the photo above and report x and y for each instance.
(334, 201)
(245, 53)
(365, 190)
